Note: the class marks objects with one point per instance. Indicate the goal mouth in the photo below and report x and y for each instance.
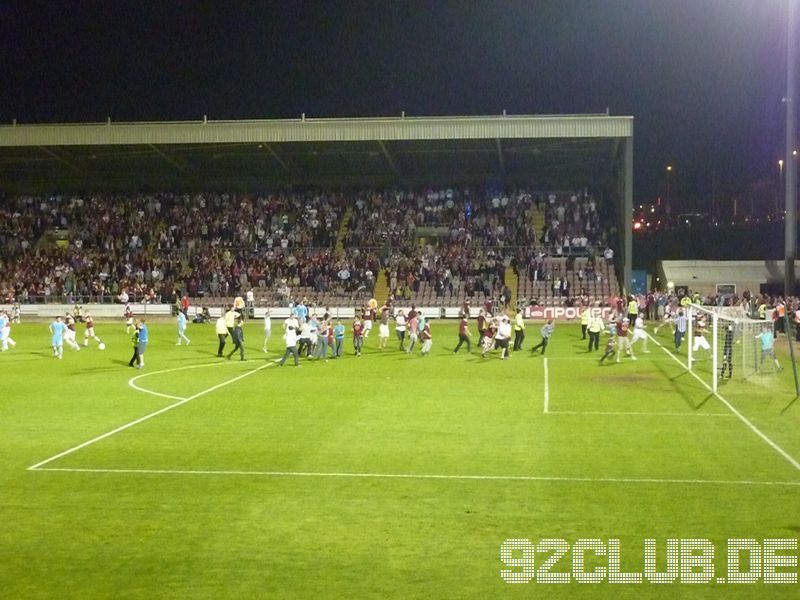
(724, 342)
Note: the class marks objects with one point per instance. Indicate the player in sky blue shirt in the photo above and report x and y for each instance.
(142, 342)
(338, 338)
(301, 311)
(57, 329)
(182, 328)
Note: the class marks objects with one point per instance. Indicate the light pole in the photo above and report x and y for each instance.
(790, 240)
(780, 185)
(669, 170)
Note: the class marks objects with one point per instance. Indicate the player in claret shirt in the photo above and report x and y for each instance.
(383, 328)
(358, 336)
(487, 342)
(623, 338)
(129, 324)
(413, 328)
(369, 317)
(69, 334)
(699, 333)
(482, 326)
(464, 336)
(89, 332)
(426, 338)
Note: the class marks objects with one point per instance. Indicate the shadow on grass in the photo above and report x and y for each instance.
(788, 406)
(684, 386)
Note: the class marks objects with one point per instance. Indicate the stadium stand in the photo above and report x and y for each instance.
(434, 247)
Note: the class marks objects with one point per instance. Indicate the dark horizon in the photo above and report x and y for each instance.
(704, 81)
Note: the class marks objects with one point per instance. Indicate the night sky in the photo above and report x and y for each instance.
(704, 79)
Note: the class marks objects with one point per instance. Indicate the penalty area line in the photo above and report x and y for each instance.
(546, 388)
(633, 413)
(730, 407)
(146, 417)
(522, 478)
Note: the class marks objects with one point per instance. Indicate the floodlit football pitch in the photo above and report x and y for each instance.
(388, 475)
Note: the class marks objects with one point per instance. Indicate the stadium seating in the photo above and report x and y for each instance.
(432, 247)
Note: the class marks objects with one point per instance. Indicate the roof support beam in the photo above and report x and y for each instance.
(500, 160)
(168, 158)
(388, 156)
(274, 154)
(60, 158)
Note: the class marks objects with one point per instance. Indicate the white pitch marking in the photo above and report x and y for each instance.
(730, 407)
(638, 413)
(532, 478)
(148, 416)
(546, 388)
(132, 380)
(547, 410)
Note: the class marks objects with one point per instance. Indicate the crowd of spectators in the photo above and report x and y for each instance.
(94, 246)
(469, 238)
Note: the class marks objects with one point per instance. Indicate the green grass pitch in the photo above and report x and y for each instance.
(389, 475)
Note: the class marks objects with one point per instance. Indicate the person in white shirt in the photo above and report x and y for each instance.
(503, 336)
(304, 339)
(290, 336)
(267, 329)
(639, 332)
(5, 331)
(400, 327)
(222, 333)
(250, 303)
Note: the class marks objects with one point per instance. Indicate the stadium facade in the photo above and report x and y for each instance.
(547, 152)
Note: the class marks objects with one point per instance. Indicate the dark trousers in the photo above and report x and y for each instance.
(542, 345)
(305, 346)
(727, 361)
(135, 357)
(607, 354)
(594, 340)
(222, 337)
(290, 351)
(401, 336)
(237, 345)
(583, 331)
(504, 345)
(679, 338)
(519, 337)
(461, 340)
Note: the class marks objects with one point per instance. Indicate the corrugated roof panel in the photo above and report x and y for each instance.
(318, 130)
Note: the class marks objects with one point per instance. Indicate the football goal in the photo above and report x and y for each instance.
(723, 343)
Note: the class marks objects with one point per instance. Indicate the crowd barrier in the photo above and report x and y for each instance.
(106, 311)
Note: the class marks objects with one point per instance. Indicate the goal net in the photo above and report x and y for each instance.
(725, 344)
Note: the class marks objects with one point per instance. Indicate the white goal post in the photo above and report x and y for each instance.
(730, 347)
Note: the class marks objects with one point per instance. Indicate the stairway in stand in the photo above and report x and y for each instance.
(381, 291)
(512, 281)
(538, 226)
(343, 229)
